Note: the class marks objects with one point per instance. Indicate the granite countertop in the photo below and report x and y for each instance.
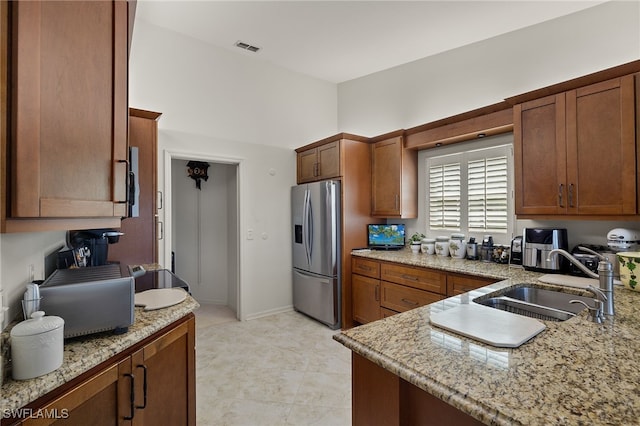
(574, 373)
(83, 353)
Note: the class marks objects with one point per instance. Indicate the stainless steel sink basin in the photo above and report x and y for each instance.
(536, 302)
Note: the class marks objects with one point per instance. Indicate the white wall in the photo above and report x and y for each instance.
(18, 252)
(206, 90)
(489, 71)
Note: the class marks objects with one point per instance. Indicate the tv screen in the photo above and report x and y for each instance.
(384, 236)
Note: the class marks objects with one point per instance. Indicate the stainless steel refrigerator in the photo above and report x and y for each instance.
(315, 211)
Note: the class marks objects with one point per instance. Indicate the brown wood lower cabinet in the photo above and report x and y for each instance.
(381, 289)
(380, 398)
(154, 385)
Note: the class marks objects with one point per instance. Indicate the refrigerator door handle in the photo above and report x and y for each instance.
(307, 231)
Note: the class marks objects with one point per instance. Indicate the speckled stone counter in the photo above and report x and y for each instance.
(574, 373)
(83, 353)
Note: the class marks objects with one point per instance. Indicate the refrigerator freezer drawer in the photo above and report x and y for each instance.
(318, 297)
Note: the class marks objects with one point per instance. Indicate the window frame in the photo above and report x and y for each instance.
(464, 152)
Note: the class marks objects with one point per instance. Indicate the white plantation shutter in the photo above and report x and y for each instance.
(444, 196)
(487, 194)
(470, 191)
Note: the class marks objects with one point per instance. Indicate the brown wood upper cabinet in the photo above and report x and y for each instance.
(575, 152)
(67, 144)
(319, 163)
(394, 178)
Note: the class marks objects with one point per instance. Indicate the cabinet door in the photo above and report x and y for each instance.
(366, 299)
(93, 402)
(329, 160)
(386, 169)
(307, 161)
(540, 156)
(601, 148)
(69, 109)
(165, 378)
(139, 244)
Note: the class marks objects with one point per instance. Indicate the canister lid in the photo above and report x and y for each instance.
(38, 324)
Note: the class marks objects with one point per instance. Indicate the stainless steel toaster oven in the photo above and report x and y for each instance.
(90, 300)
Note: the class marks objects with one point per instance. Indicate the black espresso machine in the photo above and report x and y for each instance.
(87, 248)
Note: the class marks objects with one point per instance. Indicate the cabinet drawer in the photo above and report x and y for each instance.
(458, 284)
(400, 298)
(420, 278)
(369, 268)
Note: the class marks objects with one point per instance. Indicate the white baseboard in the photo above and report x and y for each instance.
(269, 312)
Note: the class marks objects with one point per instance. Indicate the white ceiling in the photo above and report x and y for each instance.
(342, 40)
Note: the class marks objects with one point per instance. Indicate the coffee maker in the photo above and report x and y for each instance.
(87, 248)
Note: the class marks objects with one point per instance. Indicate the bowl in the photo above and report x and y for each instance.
(629, 262)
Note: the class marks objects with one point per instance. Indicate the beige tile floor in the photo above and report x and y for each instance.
(284, 369)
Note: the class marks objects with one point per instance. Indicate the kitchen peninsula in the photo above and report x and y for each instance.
(406, 371)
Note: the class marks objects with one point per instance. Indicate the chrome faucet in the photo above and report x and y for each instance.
(596, 313)
(604, 275)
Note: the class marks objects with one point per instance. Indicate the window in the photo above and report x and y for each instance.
(470, 192)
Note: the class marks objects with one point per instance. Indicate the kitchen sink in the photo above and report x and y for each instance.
(536, 302)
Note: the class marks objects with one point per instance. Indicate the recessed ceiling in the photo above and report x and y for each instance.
(338, 41)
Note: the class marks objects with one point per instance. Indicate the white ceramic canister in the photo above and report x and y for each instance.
(442, 246)
(457, 246)
(37, 346)
(428, 245)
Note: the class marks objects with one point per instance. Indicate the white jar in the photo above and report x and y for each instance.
(457, 247)
(442, 246)
(37, 346)
(428, 245)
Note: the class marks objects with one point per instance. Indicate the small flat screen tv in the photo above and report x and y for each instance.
(385, 236)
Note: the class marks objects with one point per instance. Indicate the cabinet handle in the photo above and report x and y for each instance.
(144, 387)
(131, 397)
(160, 200)
(410, 302)
(560, 194)
(160, 230)
(409, 277)
(315, 169)
(364, 268)
(571, 195)
(377, 293)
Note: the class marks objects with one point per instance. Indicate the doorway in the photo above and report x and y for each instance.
(203, 229)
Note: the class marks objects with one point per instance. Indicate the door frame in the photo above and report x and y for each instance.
(240, 219)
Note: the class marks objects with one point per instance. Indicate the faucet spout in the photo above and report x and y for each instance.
(573, 260)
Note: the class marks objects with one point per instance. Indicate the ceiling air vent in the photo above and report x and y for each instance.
(246, 46)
